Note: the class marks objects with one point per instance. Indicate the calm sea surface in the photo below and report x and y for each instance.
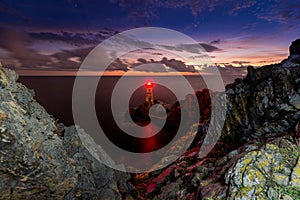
(55, 94)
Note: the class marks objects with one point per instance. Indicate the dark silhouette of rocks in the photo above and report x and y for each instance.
(295, 47)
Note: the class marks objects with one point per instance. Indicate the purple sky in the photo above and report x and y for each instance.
(55, 36)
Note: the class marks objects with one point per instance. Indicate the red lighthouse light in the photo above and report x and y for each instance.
(149, 84)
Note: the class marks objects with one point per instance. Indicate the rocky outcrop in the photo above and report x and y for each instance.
(95, 180)
(40, 159)
(257, 156)
(264, 104)
(295, 47)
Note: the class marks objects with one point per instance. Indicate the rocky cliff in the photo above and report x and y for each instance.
(258, 154)
(40, 159)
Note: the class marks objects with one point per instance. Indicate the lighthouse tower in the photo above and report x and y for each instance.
(149, 93)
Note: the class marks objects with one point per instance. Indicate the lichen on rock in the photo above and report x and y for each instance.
(260, 171)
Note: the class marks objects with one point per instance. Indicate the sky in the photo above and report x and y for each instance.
(54, 37)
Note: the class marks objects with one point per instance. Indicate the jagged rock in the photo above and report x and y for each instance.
(264, 104)
(38, 163)
(295, 47)
(95, 180)
(33, 160)
(295, 177)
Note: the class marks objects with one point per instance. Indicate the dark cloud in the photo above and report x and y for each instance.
(200, 56)
(240, 62)
(157, 54)
(177, 65)
(77, 39)
(129, 41)
(229, 70)
(18, 44)
(192, 48)
(118, 65)
(141, 64)
(62, 60)
(209, 48)
(142, 60)
(215, 41)
(151, 67)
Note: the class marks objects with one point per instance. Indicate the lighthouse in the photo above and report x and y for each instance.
(149, 93)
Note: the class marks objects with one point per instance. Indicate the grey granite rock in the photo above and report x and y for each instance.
(264, 104)
(40, 159)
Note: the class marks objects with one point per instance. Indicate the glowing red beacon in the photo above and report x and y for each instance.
(149, 93)
(149, 84)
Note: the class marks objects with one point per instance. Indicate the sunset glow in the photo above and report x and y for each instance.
(234, 34)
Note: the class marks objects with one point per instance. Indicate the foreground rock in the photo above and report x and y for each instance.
(40, 159)
(268, 172)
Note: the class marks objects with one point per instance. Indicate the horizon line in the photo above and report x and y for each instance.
(94, 74)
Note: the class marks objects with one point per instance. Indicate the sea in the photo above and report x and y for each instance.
(54, 93)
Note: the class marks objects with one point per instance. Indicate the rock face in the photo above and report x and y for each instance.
(264, 104)
(40, 159)
(258, 154)
(295, 47)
